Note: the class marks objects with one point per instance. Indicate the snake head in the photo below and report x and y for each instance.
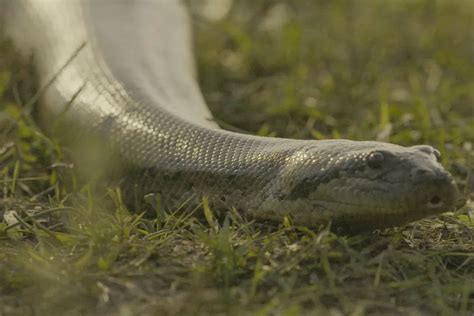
(364, 185)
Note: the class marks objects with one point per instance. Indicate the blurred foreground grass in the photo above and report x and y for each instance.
(399, 71)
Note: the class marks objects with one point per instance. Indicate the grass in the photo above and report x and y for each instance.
(398, 71)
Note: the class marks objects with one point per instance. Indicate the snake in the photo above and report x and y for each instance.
(119, 77)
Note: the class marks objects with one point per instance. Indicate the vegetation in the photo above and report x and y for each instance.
(398, 71)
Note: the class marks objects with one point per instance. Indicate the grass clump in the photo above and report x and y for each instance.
(396, 71)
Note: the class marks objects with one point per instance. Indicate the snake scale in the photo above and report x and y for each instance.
(120, 74)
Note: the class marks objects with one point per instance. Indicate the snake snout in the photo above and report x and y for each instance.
(429, 150)
(441, 191)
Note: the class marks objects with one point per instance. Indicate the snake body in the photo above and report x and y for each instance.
(120, 74)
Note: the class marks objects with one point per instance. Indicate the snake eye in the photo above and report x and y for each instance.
(437, 154)
(375, 160)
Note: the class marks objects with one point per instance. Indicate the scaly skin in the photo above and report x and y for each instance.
(123, 74)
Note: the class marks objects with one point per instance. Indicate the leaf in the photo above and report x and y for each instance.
(4, 81)
(208, 213)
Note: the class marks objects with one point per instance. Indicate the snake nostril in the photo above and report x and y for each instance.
(429, 150)
(435, 201)
(375, 160)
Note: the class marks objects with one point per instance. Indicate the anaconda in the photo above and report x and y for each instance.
(123, 71)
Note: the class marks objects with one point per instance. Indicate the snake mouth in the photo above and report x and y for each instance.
(435, 202)
(439, 195)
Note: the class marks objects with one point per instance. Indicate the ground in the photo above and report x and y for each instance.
(398, 71)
